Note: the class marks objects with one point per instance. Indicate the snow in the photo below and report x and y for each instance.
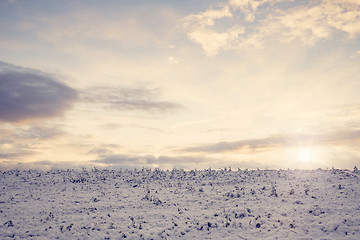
(157, 204)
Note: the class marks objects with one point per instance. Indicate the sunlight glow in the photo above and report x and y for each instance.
(305, 155)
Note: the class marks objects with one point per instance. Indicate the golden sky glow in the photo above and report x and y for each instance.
(124, 84)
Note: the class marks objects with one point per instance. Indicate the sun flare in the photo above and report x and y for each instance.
(305, 155)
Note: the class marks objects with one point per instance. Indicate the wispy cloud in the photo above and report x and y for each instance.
(27, 94)
(39, 133)
(21, 142)
(130, 99)
(41, 165)
(308, 22)
(281, 141)
(131, 161)
(17, 155)
(247, 144)
(104, 149)
(128, 161)
(167, 162)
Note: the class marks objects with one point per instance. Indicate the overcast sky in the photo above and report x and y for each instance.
(179, 84)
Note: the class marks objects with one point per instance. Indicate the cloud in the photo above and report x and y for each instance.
(16, 155)
(248, 144)
(201, 30)
(15, 144)
(312, 23)
(18, 134)
(44, 165)
(252, 22)
(121, 159)
(130, 99)
(26, 94)
(104, 149)
(249, 7)
(344, 137)
(166, 162)
(341, 137)
(40, 133)
(344, 16)
(125, 161)
(305, 24)
(212, 41)
(187, 162)
(20, 143)
(208, 17)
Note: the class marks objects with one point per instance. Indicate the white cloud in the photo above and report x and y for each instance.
(313, 23)
(248, 7)
(207, 18)
(306, 24)
(344, 16)
(309, 23)
(201, 30)
(212, 41)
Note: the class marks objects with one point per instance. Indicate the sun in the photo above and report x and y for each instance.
(305, 155)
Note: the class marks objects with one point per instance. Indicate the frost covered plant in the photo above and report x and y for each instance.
(273, 192)
(227, 218)
(9, 224)
(292, 192)
(152, 198)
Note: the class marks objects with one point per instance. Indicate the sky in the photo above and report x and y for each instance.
(119, 84)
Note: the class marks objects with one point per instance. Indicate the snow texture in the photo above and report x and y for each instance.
(157, 204)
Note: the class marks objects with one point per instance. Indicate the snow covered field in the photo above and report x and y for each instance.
(156, 204)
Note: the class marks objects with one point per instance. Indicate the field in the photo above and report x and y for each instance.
(178, 204)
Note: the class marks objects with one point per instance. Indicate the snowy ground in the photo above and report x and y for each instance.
(155, 204)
